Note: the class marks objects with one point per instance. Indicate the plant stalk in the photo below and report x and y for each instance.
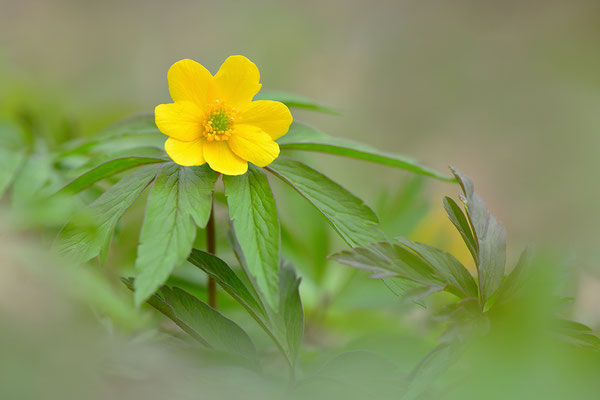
(211, 247)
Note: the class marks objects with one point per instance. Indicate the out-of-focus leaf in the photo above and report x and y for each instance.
(385, 258)
(106, 170)
(140, 128)
(515, 281)
(352, 219)
(576, 333)
(12, 153)
(229, 281)
(447, 265)
(459, 220)
(490, 237)
(217, 331)
(179, 196)
(30, 179)
(290, 318)
(254, 214)
(295, 101)
(284, 325)
(303, 137)
(90, 230)
(10, 161)
(419, 293)
(431, 367)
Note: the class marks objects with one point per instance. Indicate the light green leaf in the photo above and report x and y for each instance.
(12, 153)
(256, 225)
(196, 186)
(295, 101)
(303, 137)
(106, 170)
(179, 196)
(31, 178)
(352, 219)
(10, 161)
(89, 232)
(490, 236)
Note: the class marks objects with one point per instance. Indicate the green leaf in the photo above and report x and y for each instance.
(284, 325)
(10, 162)
(229, 281)
(352, 219)
(90, 230)
(31, 178)
(390, 259)
(256, 225)
(450, 269)
(295, 101)
(303, 137)
(106, 170)
(12, 153)
(457, 217)
(515, 281)
(179, 196)
(576, 333)
(490, 236)
(138, 127)
(290, 319)
(216, 330)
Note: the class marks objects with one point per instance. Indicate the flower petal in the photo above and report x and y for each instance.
(189, 81)
(237, 81)
(221, 159)
(181, 120)
(254, 145)
(186, 153)
(273, 117)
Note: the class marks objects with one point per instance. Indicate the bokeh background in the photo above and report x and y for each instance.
(507, 91)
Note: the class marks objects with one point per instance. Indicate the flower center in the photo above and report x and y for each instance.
(218, 121)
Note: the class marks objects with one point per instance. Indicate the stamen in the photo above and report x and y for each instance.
(218, 121)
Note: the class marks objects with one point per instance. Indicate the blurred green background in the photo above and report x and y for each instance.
(507, 91)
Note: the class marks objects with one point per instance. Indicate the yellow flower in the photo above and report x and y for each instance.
(213, 118)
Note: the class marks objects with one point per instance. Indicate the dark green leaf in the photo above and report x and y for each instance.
(89, 232)
(295, 101)
(217, 331)
(254, 214)
(283, 325)
(229, 281)
(106, 170)
(177, 195)
(352, 219)
(303, 137)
